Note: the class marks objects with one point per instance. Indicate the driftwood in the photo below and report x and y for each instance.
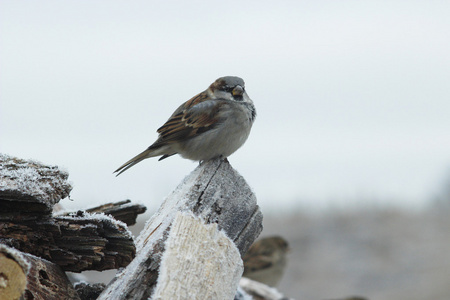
(215, 193)
(77, 242)
(32, 277)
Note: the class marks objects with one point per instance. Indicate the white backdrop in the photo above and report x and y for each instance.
(352, 97)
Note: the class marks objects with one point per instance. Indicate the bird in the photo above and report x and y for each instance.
(212, 124)
(265, 260)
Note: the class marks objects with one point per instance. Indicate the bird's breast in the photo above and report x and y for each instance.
(228, 136)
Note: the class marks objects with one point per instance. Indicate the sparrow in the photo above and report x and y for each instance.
(212, 124)
(265, 260)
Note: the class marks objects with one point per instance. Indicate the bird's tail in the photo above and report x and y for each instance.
(137, 159)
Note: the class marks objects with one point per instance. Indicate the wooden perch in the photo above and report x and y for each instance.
(76, 243)
(31, 277)
(29, 189)
(215, 193)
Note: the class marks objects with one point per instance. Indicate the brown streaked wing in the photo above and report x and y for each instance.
(196, 115)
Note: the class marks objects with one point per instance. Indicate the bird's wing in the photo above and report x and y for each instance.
(196, 116)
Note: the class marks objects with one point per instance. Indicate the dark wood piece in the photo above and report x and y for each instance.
(77, 243)
(124, 211)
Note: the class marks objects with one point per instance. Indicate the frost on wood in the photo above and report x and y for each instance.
(216, 193)
(36, 185)
(76, 243)
(73, 242)
(199, 262)
(124, 211)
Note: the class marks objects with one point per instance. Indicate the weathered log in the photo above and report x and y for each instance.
(32, 277)
(76, 243)
(215, 193)
(29, 189)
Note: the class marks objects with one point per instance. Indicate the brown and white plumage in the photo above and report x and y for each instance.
(214, 123)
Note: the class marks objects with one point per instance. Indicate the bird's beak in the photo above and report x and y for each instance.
(238, 91)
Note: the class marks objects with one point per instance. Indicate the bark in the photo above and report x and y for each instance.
(123, 211)
(76, 243)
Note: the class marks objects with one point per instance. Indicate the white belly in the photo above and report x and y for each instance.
(223, 140)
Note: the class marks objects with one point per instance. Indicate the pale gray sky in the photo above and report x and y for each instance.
(353, 97)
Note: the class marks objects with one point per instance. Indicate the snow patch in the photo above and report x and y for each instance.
(31, 180)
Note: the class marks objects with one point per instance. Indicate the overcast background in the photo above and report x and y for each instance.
(353, 97)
